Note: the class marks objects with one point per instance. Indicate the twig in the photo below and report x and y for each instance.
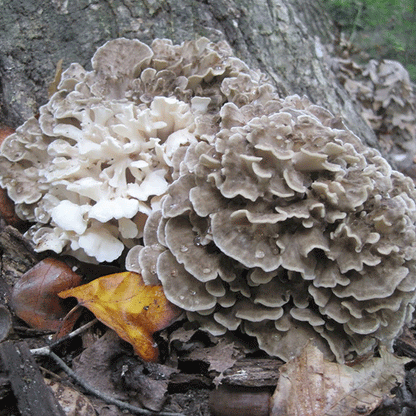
(103, 396)
(108, 399)
(81, 329)
(73, 334)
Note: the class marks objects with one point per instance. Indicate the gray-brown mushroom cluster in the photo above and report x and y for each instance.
(264, 215)
(287, 228)
(383, 93)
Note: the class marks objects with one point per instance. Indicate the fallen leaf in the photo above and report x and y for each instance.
(7, 210)
(220, 357)
(73, 403)
(35, 297)
(182, 335)
(310, 385)
(124, 303)
(68, 323)
(95, 365)
(149, 381)
(5, 131)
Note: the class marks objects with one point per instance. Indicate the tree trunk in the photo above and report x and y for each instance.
(283, 38)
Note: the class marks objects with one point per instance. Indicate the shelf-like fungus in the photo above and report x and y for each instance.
(265, 215)
(286, 227)
(95, 163)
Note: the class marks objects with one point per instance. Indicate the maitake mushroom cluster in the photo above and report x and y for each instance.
(288, 228)
(266, 215)
(383, 92)
(94, 164)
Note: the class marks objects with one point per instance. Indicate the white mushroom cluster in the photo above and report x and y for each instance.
(287, 228)
(95, 163)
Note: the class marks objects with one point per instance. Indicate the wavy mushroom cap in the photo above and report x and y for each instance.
(384, 95)
(287, 228)
(96, 162)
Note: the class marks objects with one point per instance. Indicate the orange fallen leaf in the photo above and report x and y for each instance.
(124, 303)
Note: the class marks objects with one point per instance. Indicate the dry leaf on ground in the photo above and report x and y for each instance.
(220, 357)
(124, 303)
(35, 297)
(95, 365)
(73, 403)
(5, 131)
(310, 385)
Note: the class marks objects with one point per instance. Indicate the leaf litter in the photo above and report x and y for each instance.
(306, 385)
(311, 385)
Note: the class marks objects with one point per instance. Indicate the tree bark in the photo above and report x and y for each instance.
(33, 396)
(283, 38)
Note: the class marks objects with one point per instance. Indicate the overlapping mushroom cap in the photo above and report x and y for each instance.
(95, 163)
(384, 95)
(288, 228)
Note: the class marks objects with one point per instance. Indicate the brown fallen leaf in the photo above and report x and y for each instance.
(220, 357)
(5, 131)
(124, 303)
(310, 385)
(35, 297)
(68, 323)
(149, 381)
(73, 403)
(7, 210)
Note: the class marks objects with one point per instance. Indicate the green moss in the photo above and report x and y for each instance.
(383, 29)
